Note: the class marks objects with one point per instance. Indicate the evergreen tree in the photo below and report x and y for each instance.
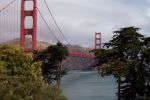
(125, 61)
(52, 58)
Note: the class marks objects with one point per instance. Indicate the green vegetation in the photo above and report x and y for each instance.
(51, 62)
(21, 78)
(127, 58)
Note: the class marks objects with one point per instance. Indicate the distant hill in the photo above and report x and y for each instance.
(43, 45)
(70, 63)
(28, 43)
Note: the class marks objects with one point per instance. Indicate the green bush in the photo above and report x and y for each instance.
(21, 78)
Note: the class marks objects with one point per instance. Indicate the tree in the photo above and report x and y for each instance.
(146, 55)
(21, 78)
(125, 62)
(52, 58)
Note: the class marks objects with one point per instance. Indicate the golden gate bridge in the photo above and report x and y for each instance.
(33, 19)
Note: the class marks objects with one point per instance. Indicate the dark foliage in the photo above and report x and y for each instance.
(127, 58)
(52, 57)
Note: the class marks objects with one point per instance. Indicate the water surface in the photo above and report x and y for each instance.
(78, 85)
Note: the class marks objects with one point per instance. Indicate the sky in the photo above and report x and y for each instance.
(80, 19)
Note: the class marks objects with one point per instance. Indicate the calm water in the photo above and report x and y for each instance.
(79, 85)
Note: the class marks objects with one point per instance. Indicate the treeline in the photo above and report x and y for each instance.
(127, 57)
(25, 78)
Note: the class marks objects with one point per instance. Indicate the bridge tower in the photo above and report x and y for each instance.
(28, 31)
(98, 40)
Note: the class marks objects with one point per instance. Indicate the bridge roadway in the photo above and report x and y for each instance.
(73, 54)
(80, 54)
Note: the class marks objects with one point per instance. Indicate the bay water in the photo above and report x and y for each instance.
(88, 85)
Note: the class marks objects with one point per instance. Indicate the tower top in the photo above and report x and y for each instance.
(97, 40)
(24, 31)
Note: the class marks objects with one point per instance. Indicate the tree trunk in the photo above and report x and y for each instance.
(119, 86)
(59, 74)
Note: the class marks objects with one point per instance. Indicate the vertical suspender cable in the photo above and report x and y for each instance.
(44, 11)
(40, 26)
(47, 25)
(15, 16)
(56, 22)
(8, 19)
(5, 21)
(17, 10)
(0, 26)
(14, 24)
(40, 7)
(7, 5)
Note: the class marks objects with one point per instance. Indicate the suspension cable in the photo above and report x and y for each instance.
(6, 6)
(0, 0)
(56, 22)
(47, 24)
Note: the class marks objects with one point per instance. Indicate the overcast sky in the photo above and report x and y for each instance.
(80, 19)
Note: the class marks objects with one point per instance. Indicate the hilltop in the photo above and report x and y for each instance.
(70, 62)
(28, 43)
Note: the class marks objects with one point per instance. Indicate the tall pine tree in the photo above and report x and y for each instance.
(125, 58)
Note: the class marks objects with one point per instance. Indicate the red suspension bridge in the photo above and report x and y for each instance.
(33, 19)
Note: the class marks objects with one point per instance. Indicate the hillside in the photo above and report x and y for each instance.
(28, 43)
(70, 63)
